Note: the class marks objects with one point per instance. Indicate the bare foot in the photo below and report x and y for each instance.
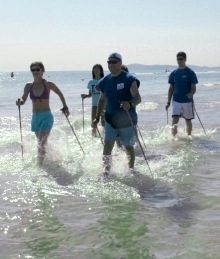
(174, 130)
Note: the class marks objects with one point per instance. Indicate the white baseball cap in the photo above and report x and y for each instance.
(116, 56)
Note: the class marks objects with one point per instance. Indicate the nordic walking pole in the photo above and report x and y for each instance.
(22, 148)
(141, 136)
(83, 113)
(100, 135)
(73, 130)
(167, 117)
(198, 117)
(139, 142)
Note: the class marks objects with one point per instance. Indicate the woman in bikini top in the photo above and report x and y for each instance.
(44, 95)
(40, 93)
(42, 119)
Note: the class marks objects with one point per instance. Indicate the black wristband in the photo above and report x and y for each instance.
(64, 108)
(97, 118)
(131, 104)
(168, 103)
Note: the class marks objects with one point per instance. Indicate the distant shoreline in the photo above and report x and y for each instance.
(166, 67)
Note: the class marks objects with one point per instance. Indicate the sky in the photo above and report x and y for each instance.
(76, 34)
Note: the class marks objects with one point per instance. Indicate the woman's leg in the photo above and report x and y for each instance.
(42, 137)
(93, 115)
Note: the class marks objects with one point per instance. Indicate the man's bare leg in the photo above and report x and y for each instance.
(174, 128)
(188, 127)
(106, 159)
(131, 156)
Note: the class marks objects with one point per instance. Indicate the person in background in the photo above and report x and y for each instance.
(182, 88)
(42, 118)
(124, 68)
(97, 74)
(120, 95)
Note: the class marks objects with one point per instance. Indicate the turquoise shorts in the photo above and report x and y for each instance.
(127, 135)
(41, 121)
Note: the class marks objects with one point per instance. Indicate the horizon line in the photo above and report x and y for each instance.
(132, 64)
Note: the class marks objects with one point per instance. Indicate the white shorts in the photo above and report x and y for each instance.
(184, 110)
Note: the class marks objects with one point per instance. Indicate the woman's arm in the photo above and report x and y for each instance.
(83, 96)
(56, 90)
(24, 96)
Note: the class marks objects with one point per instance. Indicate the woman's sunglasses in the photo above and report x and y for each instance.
(35, 69)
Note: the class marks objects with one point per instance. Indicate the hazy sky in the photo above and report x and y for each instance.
(76, 34)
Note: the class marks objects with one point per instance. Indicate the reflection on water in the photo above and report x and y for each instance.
(45, 230)
(123, 233)
(63, 210)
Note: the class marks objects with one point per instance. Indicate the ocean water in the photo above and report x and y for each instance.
(64, 210)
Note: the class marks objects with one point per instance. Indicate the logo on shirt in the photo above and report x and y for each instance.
(97, 88)
(184, 76)
(120, 86)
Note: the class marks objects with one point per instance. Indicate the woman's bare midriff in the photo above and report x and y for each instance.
(41, 106)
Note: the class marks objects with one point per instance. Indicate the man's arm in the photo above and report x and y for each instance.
(192, 92)
(101, 105)
(136, 97)
(100, 108)
(135, 94)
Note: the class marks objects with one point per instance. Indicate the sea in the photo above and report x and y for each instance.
(65, 209)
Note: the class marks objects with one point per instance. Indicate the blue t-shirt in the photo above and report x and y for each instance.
(116, 90)
(182, 79)
(95, 93)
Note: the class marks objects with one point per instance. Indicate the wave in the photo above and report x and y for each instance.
(147, 106)
(211, 84)
(208, 72)
(144, 73)
(212, 105)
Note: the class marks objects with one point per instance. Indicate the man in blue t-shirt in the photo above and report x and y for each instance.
(119, 95)
(182, 82)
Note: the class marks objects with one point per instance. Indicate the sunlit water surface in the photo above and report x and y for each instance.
(65, 210)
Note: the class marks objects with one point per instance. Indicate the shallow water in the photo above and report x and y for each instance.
(64, 209)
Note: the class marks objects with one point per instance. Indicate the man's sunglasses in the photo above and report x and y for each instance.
(35, 69)
(180, 59)
(112, 62)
